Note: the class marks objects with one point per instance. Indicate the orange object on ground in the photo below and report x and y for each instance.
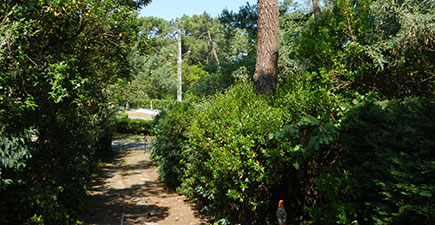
(281, 214)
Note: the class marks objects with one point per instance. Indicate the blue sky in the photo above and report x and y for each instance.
(171, 9)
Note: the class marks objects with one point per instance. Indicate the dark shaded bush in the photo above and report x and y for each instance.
(124, 125)
(50, 189)
(308, 138)
(54, 84)
(168, 145)
(386, 171)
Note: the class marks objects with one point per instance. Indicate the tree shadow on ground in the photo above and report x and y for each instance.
(113, 202)
(127, 206)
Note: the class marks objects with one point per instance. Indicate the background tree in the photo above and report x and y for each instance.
(204, 34)
(245, 19)
(216, 51)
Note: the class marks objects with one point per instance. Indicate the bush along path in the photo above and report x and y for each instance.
(128, 190)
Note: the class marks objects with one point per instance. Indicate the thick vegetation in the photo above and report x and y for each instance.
(57, 60)
(170, 131)
(124, 125)
(347, 138)
(386, 175)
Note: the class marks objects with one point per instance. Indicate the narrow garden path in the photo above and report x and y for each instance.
(129, 191)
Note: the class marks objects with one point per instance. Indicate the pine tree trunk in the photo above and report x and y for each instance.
(268, 46)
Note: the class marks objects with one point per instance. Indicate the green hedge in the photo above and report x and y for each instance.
(234, 156)
(125, 125)
(239, 153)
(386, 174)
(160, 104)
(168, 145)
(229, 155)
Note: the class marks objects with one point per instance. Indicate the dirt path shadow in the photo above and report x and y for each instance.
(129, 191)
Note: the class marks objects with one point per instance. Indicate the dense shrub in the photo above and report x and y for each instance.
(308, 138)
(13, 152)
(125, 125)
(231, 165)
(47, 194)
(239, 153)
(162, 104)
(386, 171)
(168, 145)
(381, 46)
(307, 95)
(54, 106)
(235, 155)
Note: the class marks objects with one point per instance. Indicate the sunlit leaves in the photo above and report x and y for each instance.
(372, 45)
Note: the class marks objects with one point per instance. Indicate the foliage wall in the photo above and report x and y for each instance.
(168, 145)
(124, 125)
(386, 171)
(57, 59)
(372, 46)
(313, 143)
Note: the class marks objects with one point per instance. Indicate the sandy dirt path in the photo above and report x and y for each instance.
(129, 191)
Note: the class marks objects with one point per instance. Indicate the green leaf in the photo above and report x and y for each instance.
(426, 194)
(296, 165)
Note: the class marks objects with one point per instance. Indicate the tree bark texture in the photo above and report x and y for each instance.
(316, 9)
(268, 46)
